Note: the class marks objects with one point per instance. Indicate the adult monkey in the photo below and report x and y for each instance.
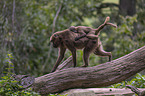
(65, 40)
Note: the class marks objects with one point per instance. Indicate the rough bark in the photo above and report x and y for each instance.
(127, 7)
(66, 64)
(135, 90)
(98, 76)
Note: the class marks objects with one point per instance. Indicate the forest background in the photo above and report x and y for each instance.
(26, 26)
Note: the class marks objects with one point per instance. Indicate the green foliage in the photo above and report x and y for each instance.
(27, 26)
(125, 38)
(138, 81)
(9, 86)
(141, 12)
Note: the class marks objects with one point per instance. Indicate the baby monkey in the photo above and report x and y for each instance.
(88, 31)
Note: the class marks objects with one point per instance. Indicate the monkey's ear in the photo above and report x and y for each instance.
(72, 28)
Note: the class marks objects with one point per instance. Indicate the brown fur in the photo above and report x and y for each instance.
(90, 32)
(65, 40)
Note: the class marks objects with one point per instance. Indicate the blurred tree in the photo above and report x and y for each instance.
(127, 7)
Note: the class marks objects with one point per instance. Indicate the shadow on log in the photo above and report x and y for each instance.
(90, 77)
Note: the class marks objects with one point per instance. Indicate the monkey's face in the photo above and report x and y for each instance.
(56, 41)
(73, 29)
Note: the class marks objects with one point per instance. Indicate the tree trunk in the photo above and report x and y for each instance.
(127, 7)
(98, 76)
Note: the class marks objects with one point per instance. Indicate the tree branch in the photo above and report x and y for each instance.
(66, 64)
(135, 90)
(106, 5)
(13, 15)
(53, 30)
(54, 21)
(98, 76)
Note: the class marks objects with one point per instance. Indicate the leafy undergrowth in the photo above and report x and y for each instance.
(10, 87)
(138, 81)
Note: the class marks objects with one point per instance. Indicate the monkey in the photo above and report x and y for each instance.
(84, 32)
(66, 40)
(89, 32)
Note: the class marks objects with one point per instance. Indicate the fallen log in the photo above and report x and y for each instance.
(91, 77)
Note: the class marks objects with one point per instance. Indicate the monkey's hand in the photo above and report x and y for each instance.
(77, 38)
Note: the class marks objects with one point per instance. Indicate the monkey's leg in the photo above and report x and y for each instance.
(74, 57)
(70, 46)
(86, 57)
(97, 31)
(79, 37)
(99, 51)
(91, 45)
(59, 59)
(111, 24)
(102, 26)
(92, 36)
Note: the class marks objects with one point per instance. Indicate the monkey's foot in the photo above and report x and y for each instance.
(107, 19)
(53, 70)
(84, 65)
(112, 24)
